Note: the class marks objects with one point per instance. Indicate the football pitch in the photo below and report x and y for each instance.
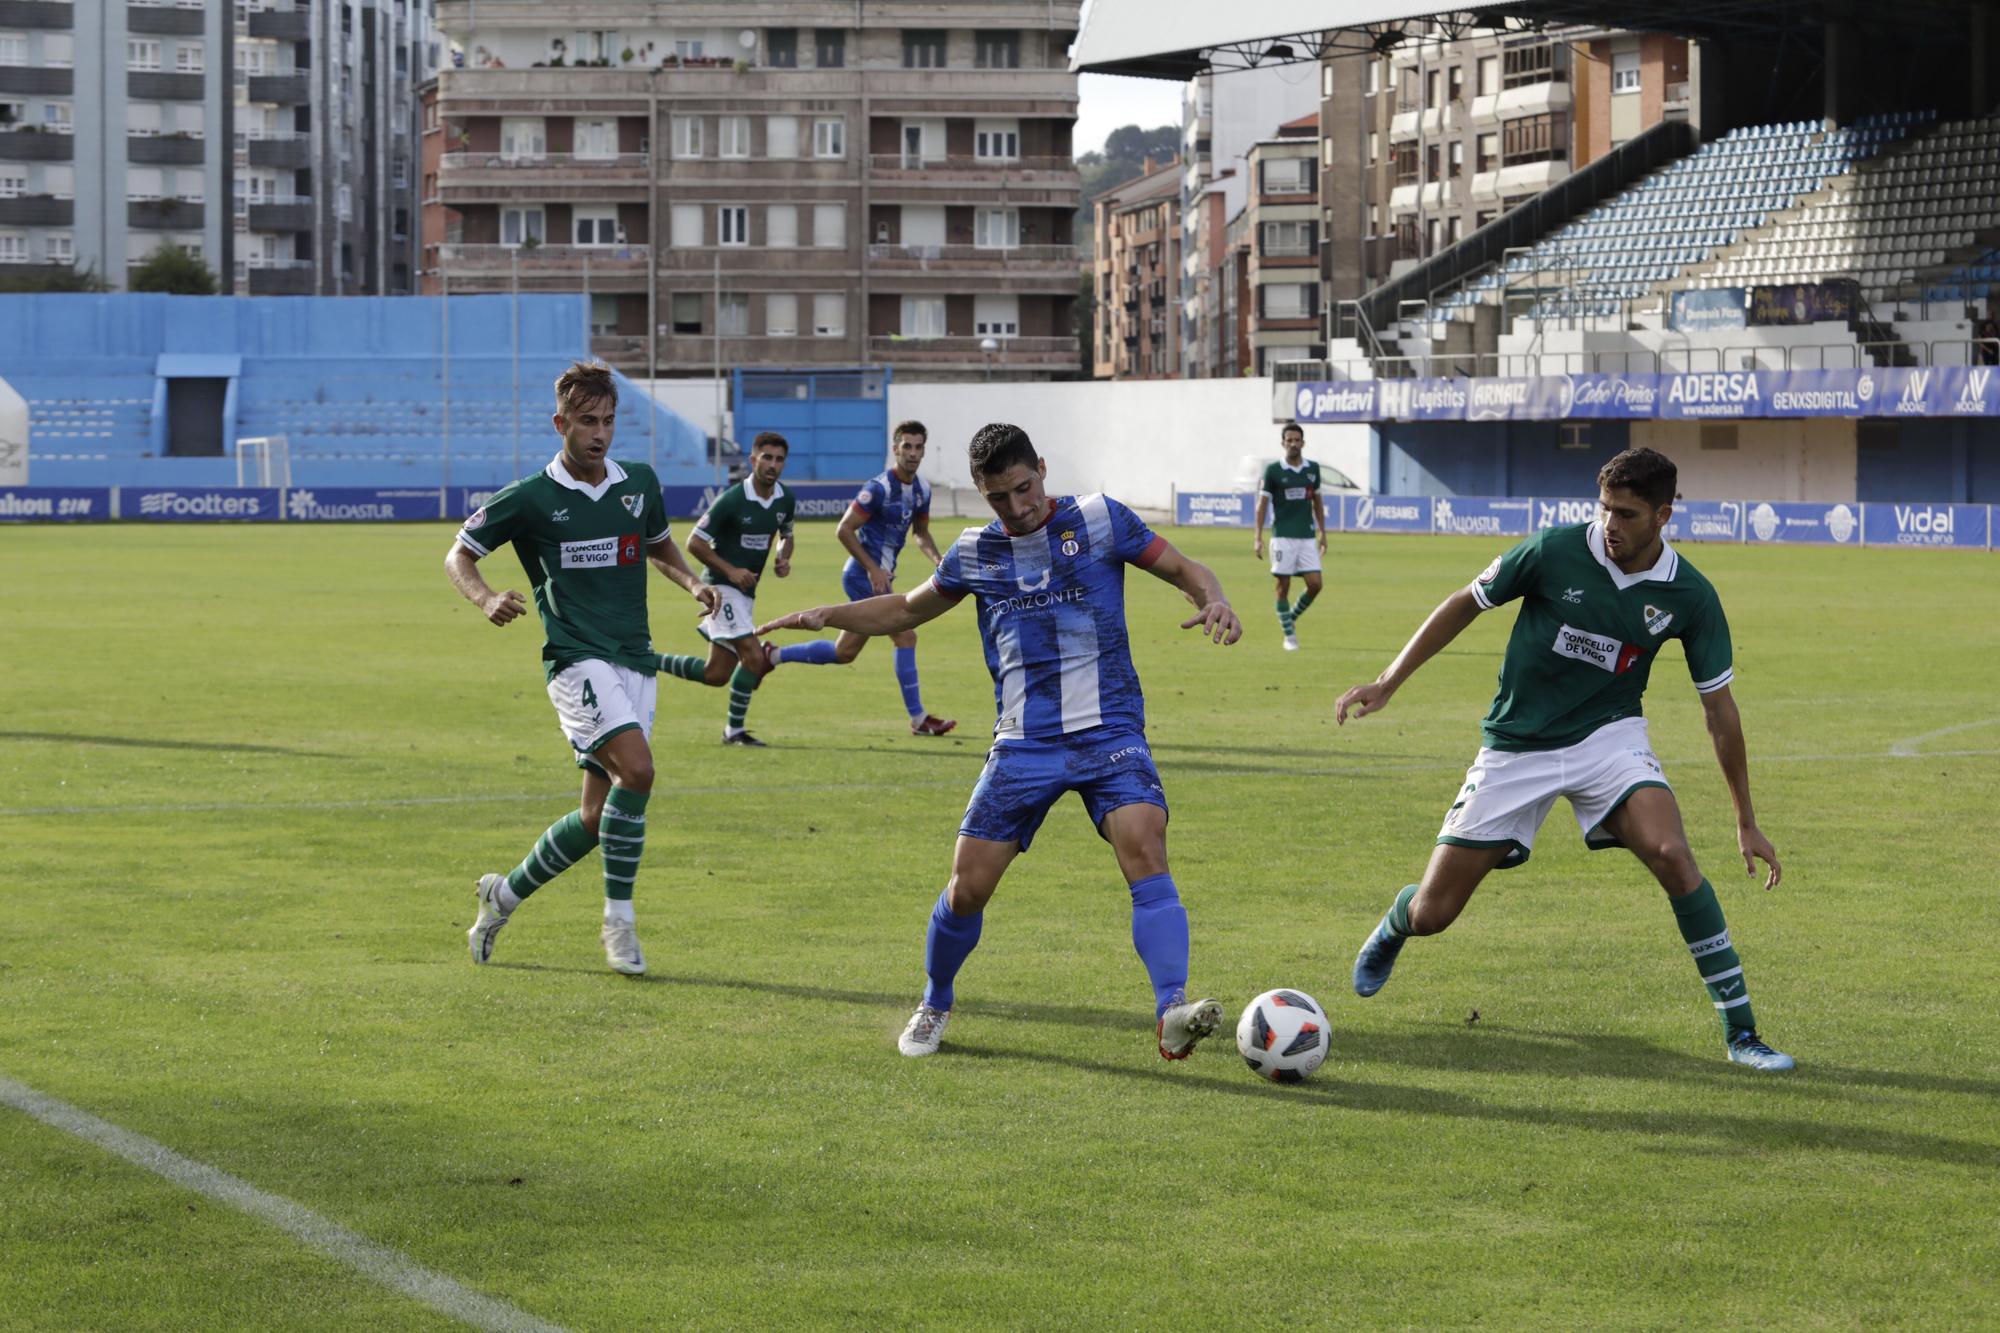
(248, 777)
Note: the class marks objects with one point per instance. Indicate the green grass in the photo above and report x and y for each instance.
(248, 775)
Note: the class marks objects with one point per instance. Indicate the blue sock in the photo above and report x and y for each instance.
(906, 676)
(1160, 934)
(948, 944)
(818, 652)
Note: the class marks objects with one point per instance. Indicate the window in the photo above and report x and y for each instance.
(829, 48)
(142, 182)
(1325, 82)
(596, 138)
(687, 136)
(1373, 84)
(522, 137)
(781, 48)
(142, 55)
(996, 316)
(13, 248)
(997, 228)
(142, 119)
(996, 141)
(781, 136)
(688, 49)
(995, 50)
(1483, 217)
(781, 226)
(1433, 89)
(1326, 153)
(686, 226)
(1432, 232)
(595, 225)
(188, 58)
(59, 50)
(732, 136)
(1286, 300)
(12, 110)
(343, 205)
(61, 247)
(1288, 238)
(923, 48)
(732, 315)
(1535, 139)
(1455, 84)
(732, 225)
(830, 137)
(1451, 230)
(1374, 147)
(1624, 72)
(1525, 65)
(781, 315)
(1489, 76)
(1455, 159)
(13, 48)
(830, 315)
(1431, 159)
(686, 308)
(923, 317)
(13, 182)
(521, 225)
(59, 182)
(1288, 175)
(1406, 164)
(1489, 153)
(187, 119)
(603, 313)
(830, 226)
(1374, 219)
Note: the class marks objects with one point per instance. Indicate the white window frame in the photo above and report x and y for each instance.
(781, 226)
(599, 325)
(990, 327)
(1299, 167)
(687, 136)
(143, 183)
(603, 225)
(781, 137)
(823, 303)
(137, 114)
(732, 225)
(60, 247)
(189, 59)
(921, 317)
(13, 181)
(997, 143)
(13, 48)
(685, 226)
(732, 136)
(1626, 73)
(59, 50)
(1299, 304)
(829, 137)
(13, 247)
(524, 138)
(142, 55)
(781, 315)
(732, 315)
(996, 229)
(523, 216)
(601, 136)
(1291, 238)
(56, 118)
(829, 235)
(688, 48)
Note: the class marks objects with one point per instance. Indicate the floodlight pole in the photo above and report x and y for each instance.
(514, 314)
(444, 345)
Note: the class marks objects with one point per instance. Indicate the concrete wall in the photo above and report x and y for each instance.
(1137, 441)
(1771, 460)
(1494, 458)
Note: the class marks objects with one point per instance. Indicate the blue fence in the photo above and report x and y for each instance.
(1757, 522)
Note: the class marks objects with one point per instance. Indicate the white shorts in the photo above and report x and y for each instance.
(1508, 793)
(1295, 555)
(595, 700)
(734, 619)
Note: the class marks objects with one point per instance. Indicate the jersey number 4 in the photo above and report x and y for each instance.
(589, 695)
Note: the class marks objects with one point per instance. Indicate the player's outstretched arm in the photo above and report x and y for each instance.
(1197, 582)
(889, 614)
(1443, 625)
(1725, 731)
(665, 555)
(461, 566)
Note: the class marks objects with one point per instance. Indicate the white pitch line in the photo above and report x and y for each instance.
(374, 1261)
(1907, 747)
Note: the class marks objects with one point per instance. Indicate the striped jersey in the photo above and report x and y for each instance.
(891, 505)
(1052, 616)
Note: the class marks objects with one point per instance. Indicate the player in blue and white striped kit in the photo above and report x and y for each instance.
(891, 507)
(1049, 582)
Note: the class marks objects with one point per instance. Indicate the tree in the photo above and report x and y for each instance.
(1124, 156)
(1129, 143)
(52, 280)
(173, 269)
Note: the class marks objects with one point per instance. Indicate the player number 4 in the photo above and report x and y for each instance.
(589, 695)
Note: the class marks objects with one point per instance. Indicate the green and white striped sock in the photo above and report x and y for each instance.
(1299, 607)
(561, 846)
(622, 833)
(1699, 916)
(1285, 617)
(741, 684)
(683, 665)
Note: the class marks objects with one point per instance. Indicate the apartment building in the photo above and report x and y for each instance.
(1280, 231)
(1137, 230)
(803, 184)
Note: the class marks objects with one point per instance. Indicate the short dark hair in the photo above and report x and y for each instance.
(1647, 473)
(765, 437)
(583, 383)
(915, 428)
(1289, 427)
(999, 446)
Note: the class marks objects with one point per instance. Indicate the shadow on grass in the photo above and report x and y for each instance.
(145, 743)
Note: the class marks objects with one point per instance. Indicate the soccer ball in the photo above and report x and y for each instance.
(1284, 1035)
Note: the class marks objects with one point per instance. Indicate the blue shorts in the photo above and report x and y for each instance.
(1022, 779)
(854, 582)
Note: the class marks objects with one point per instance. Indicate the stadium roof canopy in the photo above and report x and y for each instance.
(1151, 39)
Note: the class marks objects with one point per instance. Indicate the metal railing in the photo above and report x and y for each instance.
(1641, 361)
(502, 161)
(530, 258)
(985, 166)
(917, 255)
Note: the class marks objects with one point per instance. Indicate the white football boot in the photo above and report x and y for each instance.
(621, 948)
(1186, 1023)
(487, 928)
(924, 1031)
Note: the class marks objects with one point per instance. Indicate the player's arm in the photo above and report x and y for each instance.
(1319, 518)
(920, 528)
(1725, 732)
(461, 566)
(782, 564)
(665, 556)
(1443, 625)
(1199, 585)
(892, 613)
(735, 575)
(849, 533)
(1263, 499)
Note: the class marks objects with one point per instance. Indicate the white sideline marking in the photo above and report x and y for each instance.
(1907, 747)
(377, 1262)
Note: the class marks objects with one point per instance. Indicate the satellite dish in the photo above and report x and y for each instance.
(747, 39)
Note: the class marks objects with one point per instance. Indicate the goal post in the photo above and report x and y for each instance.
(265, 460)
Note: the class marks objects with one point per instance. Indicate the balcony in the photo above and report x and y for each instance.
(1025, 182)
(36, 146)
(165, 214)
(468, 178)
(546, 268)
(280, 277)
(37, 14)
(32, 79)
(287, 152)
(37, 210)
(293, 214)
(964, 353)
(963, 92)
(156, 21)
(625, 349)
(281, 89)
(1049, 269)
(284, 25)
(160, 86)
(832, 260)
(165, 149)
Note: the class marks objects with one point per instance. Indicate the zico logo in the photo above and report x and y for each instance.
(602, 553)
(1609, 654)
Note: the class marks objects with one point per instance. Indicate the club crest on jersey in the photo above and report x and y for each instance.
(633, 503)
(1069, 546)
(1658, 620)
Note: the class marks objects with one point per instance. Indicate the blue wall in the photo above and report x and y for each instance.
(1491, 458)
(1941, 459)
(357, 384)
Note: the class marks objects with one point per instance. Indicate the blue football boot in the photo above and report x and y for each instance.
(1747, 1048)
(1377, 956)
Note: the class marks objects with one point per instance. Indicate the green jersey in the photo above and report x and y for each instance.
(1584, 642)
(1292, 490)
(742, 526)
(584, 551)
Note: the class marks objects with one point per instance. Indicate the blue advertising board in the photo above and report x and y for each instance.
(1479, 516)
(54, 504)
(1707, 308)
(199, 504)
(1799, 524)
(1706, 521)
(1557, 512)
(1212, 509)
(1423, 399)
(358, 504)
(1890, 524)
(1385, 513)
